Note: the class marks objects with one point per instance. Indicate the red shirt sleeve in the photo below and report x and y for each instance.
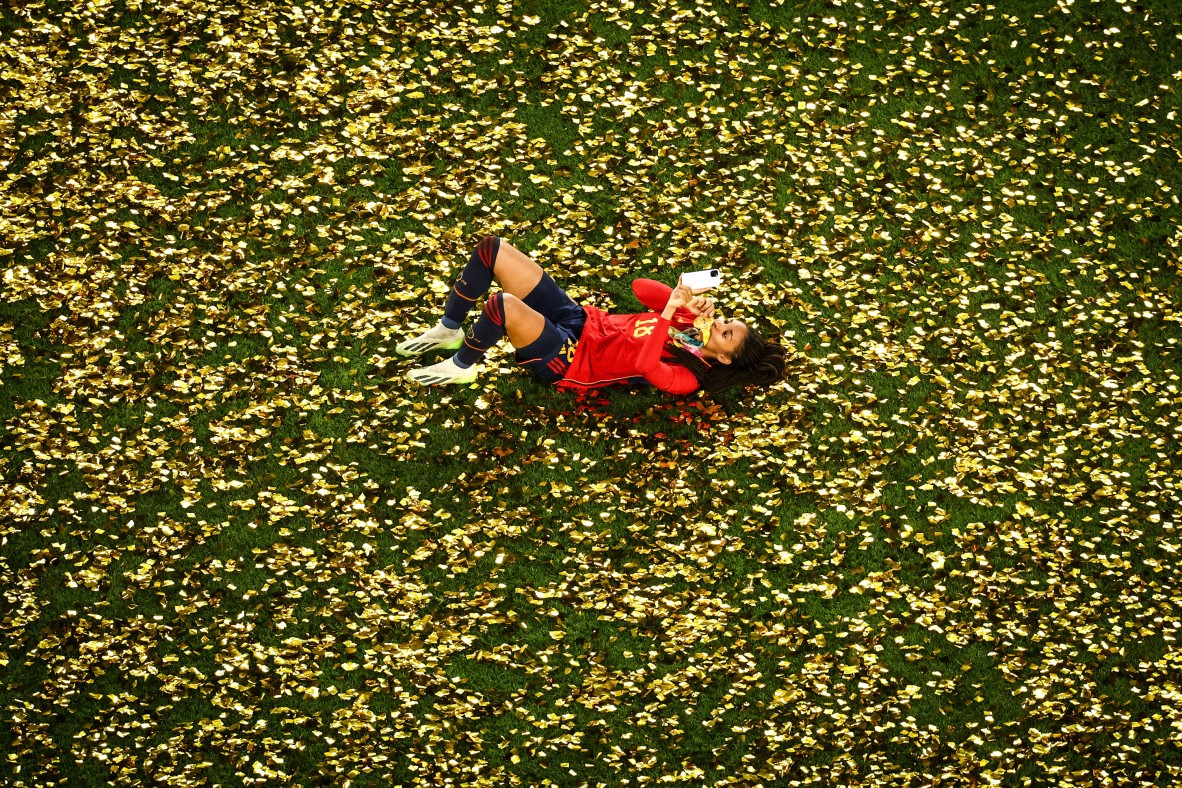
(672, 378)
(655, 295)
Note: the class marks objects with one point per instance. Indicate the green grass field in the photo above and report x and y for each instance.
(237, 547)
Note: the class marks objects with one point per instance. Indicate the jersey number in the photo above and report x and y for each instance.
(644, 327)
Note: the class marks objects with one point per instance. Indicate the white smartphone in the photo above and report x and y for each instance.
(701, 280)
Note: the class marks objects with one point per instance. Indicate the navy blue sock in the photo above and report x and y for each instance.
(484, 333)
(473, 282)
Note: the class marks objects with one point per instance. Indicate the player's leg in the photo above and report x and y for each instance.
(471, 285)
(492, 259)
(517, 274)
(503, 314)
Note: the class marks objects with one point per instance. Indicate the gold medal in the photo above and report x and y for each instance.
(703, 324)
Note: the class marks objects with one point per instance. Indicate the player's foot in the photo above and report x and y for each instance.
(438, 337)
(443, 373)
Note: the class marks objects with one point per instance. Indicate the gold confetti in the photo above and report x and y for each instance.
(236, 547)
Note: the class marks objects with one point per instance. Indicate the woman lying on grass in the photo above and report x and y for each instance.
(679, 347)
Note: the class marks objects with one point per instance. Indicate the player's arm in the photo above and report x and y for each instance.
(673, 378)
(651, 293)
(655, 295)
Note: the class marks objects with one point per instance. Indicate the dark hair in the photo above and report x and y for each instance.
(757, 363)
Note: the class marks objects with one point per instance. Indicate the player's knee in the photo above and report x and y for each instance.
(512, 306)
(494, 307)
(487, 251)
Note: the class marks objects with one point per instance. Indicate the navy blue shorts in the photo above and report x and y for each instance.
(550, 355)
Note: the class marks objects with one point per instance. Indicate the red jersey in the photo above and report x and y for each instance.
(630, 349)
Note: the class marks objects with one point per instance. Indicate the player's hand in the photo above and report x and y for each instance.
(701, 306)
(679, 297)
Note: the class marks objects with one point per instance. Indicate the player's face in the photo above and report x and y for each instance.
(726, 338)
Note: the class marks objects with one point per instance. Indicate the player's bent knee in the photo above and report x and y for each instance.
(487, 251)
(522, 324)
(494, 308)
